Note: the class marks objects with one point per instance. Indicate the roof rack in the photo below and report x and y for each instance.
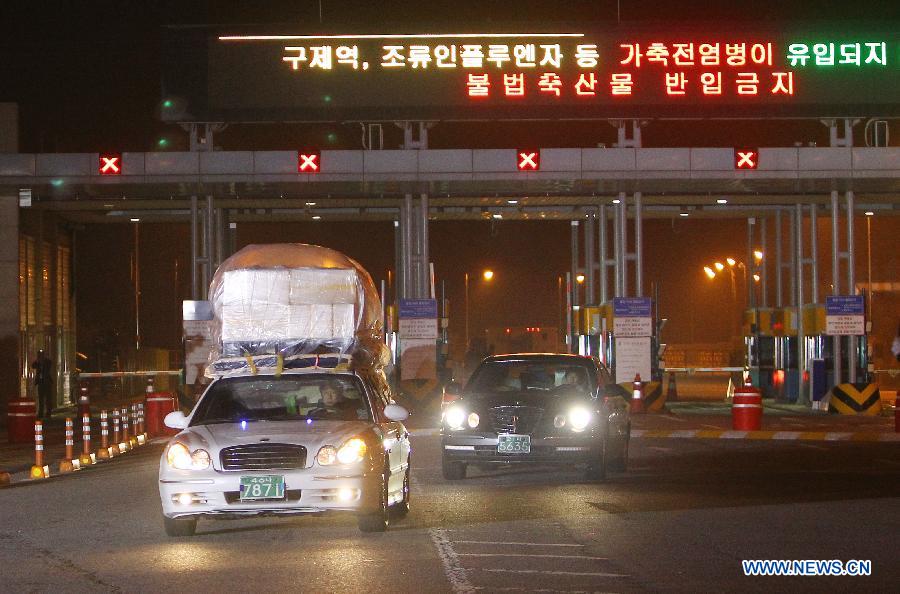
(276, 364)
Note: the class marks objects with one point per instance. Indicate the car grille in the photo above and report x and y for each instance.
(515, 419)
(263, 456)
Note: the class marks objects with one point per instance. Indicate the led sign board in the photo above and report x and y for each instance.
(110, 164)
(717, 71)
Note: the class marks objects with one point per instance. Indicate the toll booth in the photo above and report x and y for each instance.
(770, 338)
(634, 350)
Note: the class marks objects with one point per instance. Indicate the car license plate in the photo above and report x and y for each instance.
(513, 444)
(255, 488)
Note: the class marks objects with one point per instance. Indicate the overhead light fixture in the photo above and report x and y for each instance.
(683, 214)
(310, 204)
(316, 217)
(497, 215)
(135, 220)
(870, 213)
(721, 201)
(616, 201)
(512, 201)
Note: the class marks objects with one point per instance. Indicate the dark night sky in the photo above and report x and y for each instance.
(86, 77)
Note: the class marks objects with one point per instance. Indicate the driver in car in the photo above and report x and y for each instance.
(333, 398)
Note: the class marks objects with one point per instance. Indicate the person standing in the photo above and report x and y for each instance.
(895, 347)
(43, 379)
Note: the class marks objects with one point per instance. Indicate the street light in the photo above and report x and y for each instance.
(579, 278)
(709, 272)
(488, 275)
(757, 255)
(719, 266)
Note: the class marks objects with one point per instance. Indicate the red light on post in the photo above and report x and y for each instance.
(110, 164)
(746, 158)
(528, 159)
(308, 162)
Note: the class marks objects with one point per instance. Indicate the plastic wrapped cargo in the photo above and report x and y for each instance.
(292, 305)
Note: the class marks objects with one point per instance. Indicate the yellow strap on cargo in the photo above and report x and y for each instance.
(251, 364)
(279, 365)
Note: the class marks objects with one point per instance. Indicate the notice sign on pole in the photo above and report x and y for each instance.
(418, 333)
(845, 315)
(632, 317)
(632, 358)
(418, 319)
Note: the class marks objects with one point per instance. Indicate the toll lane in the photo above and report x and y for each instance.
(682, 518)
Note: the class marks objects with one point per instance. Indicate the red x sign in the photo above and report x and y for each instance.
(111, 164)
(528, 159)
(746, 158)
(308, 162)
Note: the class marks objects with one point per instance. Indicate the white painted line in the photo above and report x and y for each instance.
(638, 432)
(684, 433)
(456, 574)
(813, 447)
(835, 436)
(733, 435)
(532, 555)
(574, 573)
(786, 435)
(522, 544)
(708, 426)
(424, 432)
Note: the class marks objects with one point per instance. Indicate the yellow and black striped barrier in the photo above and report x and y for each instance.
(651, 393)
(847, 399)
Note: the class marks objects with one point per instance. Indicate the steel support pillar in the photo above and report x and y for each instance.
(575, 257)
(604, 261)
(798, 281)
(638, 252)
(779, 264)
(836, 278)
(851, 286)
(590, 250)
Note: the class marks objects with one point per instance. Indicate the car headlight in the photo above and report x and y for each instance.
(579, 418)
(351, 452)
(181, 458)
(327, 455)
(455, 417)
(473, 420)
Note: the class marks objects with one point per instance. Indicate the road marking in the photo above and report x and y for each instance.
(532, 555)
(858, 436)
(523, 544)
(537, 571)
(456, 573)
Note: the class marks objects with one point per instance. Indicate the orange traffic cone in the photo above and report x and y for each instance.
(637, 396)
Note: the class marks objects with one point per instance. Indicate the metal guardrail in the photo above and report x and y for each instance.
(101, 374)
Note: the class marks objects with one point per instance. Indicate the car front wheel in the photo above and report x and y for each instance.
(180, 526)
(596, 470)
(376, 521)
(453, 470)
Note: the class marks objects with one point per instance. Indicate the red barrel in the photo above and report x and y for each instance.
(157, 405)
(746, 409)
(20, 420)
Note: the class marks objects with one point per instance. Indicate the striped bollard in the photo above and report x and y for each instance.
(104, 452)
(142, 435)
(134, 426)
(67, 464)
(39, 470)
(114, 449)
(124, 444)
(87, 458)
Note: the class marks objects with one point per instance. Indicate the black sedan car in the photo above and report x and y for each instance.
(540, 408)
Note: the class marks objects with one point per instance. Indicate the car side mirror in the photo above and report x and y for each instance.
(394, 412)
(176, 420)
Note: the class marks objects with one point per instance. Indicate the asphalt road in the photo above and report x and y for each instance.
(681, 519)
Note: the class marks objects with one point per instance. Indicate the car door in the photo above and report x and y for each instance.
(616, 407)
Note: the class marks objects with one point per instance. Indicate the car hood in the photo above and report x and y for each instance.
(310, 435)
(538, 400)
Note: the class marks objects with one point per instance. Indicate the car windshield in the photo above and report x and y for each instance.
(284, 398)
(550, 377)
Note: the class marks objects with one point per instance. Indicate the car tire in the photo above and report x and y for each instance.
(596, 470)
(400, 509)
(620, 464)
(180, 526)
(453, 470)
(376, 521)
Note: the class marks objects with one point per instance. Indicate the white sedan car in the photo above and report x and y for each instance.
(293, 443)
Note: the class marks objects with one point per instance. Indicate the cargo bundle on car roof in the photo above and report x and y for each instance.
(294, 306)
